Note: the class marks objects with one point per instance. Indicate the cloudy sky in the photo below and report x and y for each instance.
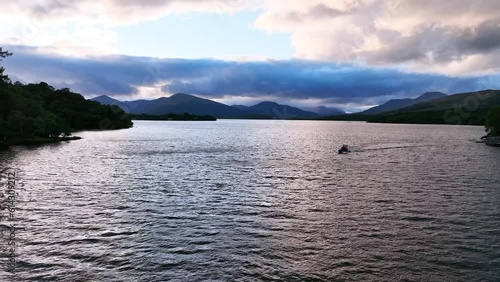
(350, 54)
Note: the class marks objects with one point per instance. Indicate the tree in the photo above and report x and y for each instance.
(53, 125)
(16, 122)
(492, 122)
(4, 54)
(40, 127)
(4, 78)
(3, 129)
(39, 110)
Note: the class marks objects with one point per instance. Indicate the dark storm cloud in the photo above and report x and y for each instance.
(484, 38)
(301, 80)
(439, 44)
(121, 75)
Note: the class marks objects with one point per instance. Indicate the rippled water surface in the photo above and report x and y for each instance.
(259, 201)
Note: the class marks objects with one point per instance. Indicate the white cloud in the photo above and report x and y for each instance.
(116, 12)
(88, 27)
(459, 37)
(452, 37)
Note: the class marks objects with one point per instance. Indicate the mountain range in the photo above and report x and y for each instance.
(325, 111)
(464, 108)
(429, 107)
(396, 104)
(184, 103)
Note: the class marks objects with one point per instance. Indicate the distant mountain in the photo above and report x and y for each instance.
(396, 104)
(275, 110)
(184, 103)
(128, 106)
(464, 108)
(241, 107)
(480, 100)
(428, 96)
(325, 111)
(106, 100)
(178, 104)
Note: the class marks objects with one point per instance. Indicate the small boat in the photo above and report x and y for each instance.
(344, 149)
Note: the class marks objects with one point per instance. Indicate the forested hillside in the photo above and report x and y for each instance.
(39, 110)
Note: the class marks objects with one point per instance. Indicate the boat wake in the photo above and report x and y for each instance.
(391, 146)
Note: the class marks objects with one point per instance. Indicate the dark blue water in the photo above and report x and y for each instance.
(259, 201)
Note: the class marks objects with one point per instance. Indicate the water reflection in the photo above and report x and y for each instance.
(254, 200)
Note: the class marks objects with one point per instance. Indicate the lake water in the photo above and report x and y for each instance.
(259, 201)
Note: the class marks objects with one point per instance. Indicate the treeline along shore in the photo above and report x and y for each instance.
(39, 113)
(174, 117)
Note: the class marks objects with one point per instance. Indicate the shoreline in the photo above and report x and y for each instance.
(492, 141)
(173, 119)
(5, 144)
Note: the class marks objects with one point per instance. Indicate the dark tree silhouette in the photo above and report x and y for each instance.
(492, 123)
(40, 110)
(4, 54)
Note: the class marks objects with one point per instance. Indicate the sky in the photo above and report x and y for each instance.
(349, 54)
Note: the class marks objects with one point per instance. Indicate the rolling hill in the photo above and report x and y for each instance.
(277, 111)
(396, 104)
(481, 100)
(178, 104)
(128, 106)
(325, 111)
(185, 103)
(464, 108)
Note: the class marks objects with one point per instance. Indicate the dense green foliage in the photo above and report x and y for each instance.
(464, 109)
(349, 117)
(173, 116)
(476, 117)
(431, 117)
(467, 102)
(40, 111)
(3, 78)
(492, 123)
(424, 117)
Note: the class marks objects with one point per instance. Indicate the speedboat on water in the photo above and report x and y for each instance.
(344, 149)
